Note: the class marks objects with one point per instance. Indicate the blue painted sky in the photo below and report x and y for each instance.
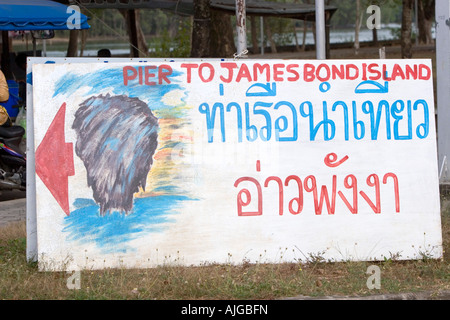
(112, 78)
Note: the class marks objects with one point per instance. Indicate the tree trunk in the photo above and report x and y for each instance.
(72, 47)
(294, 31)
(357, 25)
(254, 31)
(273, 47)
(375, 37)
(136, 34)
(406, 42)
(142, 43)
(132, 32)
(305, 29)
(200, 47)
(83, 41)
(221, 38)
(425, 20)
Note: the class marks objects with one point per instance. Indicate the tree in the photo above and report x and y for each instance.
(406, 42)
(425, 20)
(212, 33)
(222, 38)
(254, 35)
(132, 18)
(200, 46)
(268, 31)
(72, 47)
(357, 25)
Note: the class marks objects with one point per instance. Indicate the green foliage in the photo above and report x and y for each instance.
(177, 46)
(182, 39)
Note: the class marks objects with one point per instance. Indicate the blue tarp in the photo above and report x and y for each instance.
(13, 99)
(16, 15)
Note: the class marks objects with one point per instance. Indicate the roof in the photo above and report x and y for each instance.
(265, 8)
(37, 15)
(186, 7)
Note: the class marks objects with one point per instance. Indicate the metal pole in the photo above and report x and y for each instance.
(320, 30)
(31, 224)
(443, 85)
(241, 27)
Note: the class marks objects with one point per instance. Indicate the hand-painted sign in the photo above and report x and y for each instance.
(223, 161)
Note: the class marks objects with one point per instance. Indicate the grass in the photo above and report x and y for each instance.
(21, 280)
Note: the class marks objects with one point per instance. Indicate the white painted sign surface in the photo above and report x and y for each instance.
(223, 161)
(31, 181)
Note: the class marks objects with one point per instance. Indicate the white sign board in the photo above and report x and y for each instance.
(224, 161)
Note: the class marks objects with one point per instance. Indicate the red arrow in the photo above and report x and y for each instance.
(54, 160)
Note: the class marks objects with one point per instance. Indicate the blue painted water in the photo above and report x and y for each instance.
(113, 232)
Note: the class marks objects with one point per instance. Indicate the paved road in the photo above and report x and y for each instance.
(12, 207)
(11, 195)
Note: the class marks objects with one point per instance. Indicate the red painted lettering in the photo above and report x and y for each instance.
(308, 72)
(397, 72)
(321, 67)
(427, 74)
(320, 194)
(348, 71)
(372, 70)
(148, 75)
(338, 72)
(364, 75)
(291, 69)
(229, 66)
(243, 73)
(164, 71)
(318, 202)
(410, 72)
(384, 73)
(211, 72)
(277, 73)
(280, 190)
(261, 69)
(353, 185)
(127, 75)
(189, 67)
(375, 183)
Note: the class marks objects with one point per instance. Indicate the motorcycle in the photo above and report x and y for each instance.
(12, 158)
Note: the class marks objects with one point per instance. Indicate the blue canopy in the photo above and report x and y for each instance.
(21, 15)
